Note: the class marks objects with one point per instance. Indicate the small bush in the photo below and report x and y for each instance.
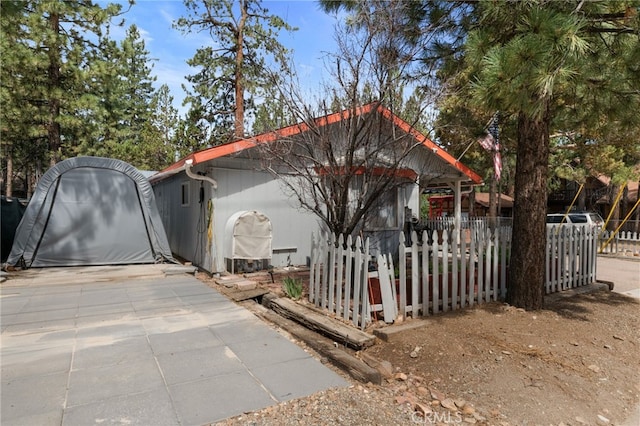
(292, 287)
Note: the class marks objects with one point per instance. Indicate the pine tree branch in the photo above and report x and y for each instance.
(623, 30)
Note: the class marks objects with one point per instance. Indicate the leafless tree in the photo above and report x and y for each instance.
(345, 158)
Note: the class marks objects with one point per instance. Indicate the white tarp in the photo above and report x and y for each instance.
(250, 235)
(90, 211)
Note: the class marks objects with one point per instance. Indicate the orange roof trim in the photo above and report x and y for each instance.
(377, 171)
(264, 138)
(429, 144)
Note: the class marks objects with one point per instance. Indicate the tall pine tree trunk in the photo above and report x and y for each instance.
(9, 177)
(472, 202)
(614, 207)
(526, 267)
(53, 126)
(238, 131)
(624, 208)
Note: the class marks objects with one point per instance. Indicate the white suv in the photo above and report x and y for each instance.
(576, 218)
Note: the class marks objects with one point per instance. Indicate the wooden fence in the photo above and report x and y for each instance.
(339, 277)
(446, 274)
(437, 272)
(571, 256)
(624, 243)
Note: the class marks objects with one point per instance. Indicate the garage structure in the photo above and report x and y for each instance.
(90, 211)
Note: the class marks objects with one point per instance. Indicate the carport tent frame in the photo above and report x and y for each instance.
(90, 211)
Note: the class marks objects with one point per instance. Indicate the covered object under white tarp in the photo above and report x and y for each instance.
(90, 211)
(249, 234)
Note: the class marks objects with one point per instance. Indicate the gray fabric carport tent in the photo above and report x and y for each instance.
(90, 211)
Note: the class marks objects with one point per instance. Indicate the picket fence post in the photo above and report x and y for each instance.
(402, 278)
(445, 270)
(340, 276)
(455, 260)
(463, 273)
(357, 280)
(347, 278)
(332, 272)
(472, 268)
(435, 274)
(425, 273)
(415, 275)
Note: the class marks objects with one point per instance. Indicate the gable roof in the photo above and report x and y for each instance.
(632, 189)
(482, 198)
(265, 138)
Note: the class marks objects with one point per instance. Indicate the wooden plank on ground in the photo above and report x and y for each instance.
(229, 280)
(238, 295)
(339, 332)
(339, 357)
(389, 305)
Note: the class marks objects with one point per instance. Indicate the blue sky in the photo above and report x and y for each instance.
(170, 49)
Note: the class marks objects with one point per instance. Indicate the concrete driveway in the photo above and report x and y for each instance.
(134, 345)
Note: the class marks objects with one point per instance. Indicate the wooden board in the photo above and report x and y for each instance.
(341, 333)
(239, 295)
(339, 357)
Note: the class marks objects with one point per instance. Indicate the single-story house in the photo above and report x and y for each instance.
(225, 211)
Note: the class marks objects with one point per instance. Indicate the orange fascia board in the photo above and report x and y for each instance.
(429, 144)
(376, 171)
(241, 145)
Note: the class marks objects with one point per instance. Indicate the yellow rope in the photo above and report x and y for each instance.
(209, 224)
(613, 207)
(620, 226)
(570, 206)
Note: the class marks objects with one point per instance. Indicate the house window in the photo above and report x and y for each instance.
(385, 213)
(185, 189)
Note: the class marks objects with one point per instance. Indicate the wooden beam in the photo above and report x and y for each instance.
(339, 357)
(339, 332)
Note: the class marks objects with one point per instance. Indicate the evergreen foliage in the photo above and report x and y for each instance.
(234, 70)
(564, 69)
(68, 89)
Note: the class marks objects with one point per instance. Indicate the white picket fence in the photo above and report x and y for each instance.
(442, 273)
(571, 256)
(468, 273)
(624, 243)
(339, 277)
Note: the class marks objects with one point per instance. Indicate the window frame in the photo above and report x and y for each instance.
(185, 194)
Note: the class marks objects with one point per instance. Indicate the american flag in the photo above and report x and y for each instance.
(491, 142)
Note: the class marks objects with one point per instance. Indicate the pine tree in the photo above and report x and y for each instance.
(124, 113)
(236, 70)
(165, 122)
(51, 60)
(22, 139)
(532, 58)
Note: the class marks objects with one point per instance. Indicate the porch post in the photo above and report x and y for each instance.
(457, 205)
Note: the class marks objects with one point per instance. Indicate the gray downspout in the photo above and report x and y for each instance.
(188, 164)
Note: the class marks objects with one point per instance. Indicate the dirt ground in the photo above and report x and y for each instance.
(576, 362)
